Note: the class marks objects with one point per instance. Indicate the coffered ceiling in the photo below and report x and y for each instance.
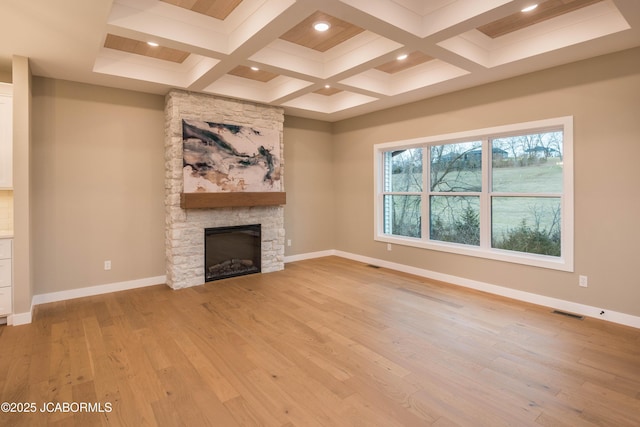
(267, 50)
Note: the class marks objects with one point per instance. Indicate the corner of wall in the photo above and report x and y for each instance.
(22, 256)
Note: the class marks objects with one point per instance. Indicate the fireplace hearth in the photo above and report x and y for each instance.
(232, 251)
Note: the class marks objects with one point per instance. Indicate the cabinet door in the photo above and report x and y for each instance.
(6, 141)
(5, 301)
(5, 272)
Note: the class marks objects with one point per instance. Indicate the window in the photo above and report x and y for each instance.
(503, 193)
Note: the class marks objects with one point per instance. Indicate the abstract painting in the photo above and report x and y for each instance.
(221, 157)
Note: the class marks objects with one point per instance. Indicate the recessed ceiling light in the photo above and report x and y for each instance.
(255, 69)
(327, 86)
(529, 8)
(402, 57)
(153, 44)
(321, 26)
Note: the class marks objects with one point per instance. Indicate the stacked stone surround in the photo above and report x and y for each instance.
(184, 231)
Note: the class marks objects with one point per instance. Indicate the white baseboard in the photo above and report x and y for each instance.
(25, 318)
(98, 290)
(555, 303)
(17, 319)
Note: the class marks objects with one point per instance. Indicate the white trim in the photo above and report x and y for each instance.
(17, 319)
(555, 303)
(97, 290)
(21, 318)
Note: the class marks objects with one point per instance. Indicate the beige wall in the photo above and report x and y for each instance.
(98, 185)
(309, 212)
(603, 95)
(97, 180)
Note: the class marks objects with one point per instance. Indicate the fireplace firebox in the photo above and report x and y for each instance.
(232, 251)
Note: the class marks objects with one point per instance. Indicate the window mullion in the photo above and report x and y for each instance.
(426, 182)
(485, 195)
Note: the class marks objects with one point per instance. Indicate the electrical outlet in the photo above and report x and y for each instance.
(107, 265)
(583, 281)
(388, 246)
(289, 242)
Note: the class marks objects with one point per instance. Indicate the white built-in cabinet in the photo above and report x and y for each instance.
(6, 136)
(6, 297)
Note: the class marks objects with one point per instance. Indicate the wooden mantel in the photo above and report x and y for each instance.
(232, 199)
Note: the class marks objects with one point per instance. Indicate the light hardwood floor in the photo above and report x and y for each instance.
(326, 342)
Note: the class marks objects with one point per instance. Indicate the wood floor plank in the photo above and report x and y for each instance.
(392, 398)
(282, 404)
(358, 411)
(619, 409)
(315, 368)
(325, 342)
(206, 369)
(102, 367)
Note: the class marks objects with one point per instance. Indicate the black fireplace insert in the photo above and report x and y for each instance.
(232, 251)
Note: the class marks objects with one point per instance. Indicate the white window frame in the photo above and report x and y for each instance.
(563, 262)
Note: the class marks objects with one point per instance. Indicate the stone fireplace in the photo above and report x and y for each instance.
(185, 228)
